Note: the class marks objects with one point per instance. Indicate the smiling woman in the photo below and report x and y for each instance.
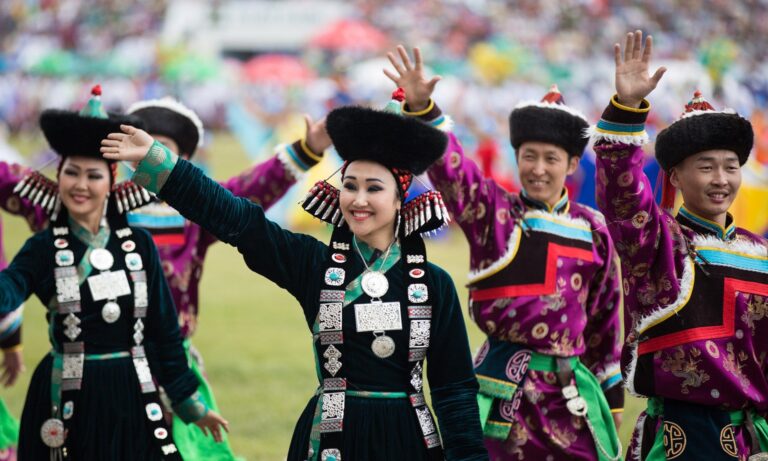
(94, 395)
(376, 308)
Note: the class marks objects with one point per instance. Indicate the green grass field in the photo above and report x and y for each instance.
(251, 333)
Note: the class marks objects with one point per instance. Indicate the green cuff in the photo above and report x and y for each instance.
(191, 409)
(154, 170)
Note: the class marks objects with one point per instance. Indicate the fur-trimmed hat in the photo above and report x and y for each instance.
(550, 121)
(169, 117)
(385, 137)
(80, 133)
(701, 128)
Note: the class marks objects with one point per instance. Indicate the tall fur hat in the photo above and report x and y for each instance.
(386, 137)
(701, 128)
(169, 117)
(550, 121)
(80, 133)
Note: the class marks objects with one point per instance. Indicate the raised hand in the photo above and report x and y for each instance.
(213, 422)
(131, 145)
(410, 77)
(12, 366)
(316, 136)
(633, 82)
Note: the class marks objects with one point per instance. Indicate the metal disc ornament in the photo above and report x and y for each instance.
(52, 432)
(383, 346)
(374, 284)
(101, 259)
(110, 312)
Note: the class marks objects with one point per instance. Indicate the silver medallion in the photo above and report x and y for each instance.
(374, 284)
(52, 432)
(383, 346)
(133, 262)
(110, 312)
(128, 246)
(161, 433)
(154, 413)
(101, 259)
(60, 243)
(68, 410)
(65, 258)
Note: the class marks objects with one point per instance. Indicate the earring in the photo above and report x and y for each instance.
(399, 220)
(104, 213)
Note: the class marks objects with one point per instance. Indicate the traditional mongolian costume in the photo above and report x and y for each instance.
(696, 294)
(374, 317)
(94, 396)
(183, 245)
(10, 324)
(545, 287)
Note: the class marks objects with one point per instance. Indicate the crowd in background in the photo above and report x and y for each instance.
(491, 53)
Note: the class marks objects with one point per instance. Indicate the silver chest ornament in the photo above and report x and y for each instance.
(110, 312)
(52, 432)
(374, 284)
(383, 346)
(101, 259)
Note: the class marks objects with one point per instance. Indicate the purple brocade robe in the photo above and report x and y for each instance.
(695, 293)
(547, 280)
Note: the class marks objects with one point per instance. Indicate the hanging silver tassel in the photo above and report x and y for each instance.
(21, 184)
(328, 211)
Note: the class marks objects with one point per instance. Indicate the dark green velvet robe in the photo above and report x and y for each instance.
(109, 420)
(374, 429)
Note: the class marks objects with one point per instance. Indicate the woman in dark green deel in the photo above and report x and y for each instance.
(374, 305)
(94, 396)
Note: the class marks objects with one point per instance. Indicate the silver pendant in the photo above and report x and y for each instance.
(101, 259)
(133, 262)
(383, 346)
(110, 312)
(64, 258)
(374, 284)
(52, 432)
(378, 316)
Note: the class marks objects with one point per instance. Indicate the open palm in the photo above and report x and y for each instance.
(633, 81)
(410, 77)
(131, 145)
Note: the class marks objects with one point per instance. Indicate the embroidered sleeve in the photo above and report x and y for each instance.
(162, 327)
(153, 171)
(191, 409)
(473, 200)
(451, 377)
(267, 182)
(297, 158)
(288, 259)
(22, 277)
(647, 238)
(10, 330)
(10, 175)
(602, 333)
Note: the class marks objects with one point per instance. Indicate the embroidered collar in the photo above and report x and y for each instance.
(91, 241)
(353, 289)
(562, 205)
(704, 226)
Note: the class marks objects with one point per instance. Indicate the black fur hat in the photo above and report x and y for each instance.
(550, 121)
(701, 128)
(388, 138)
(171, 118)
(80, 133)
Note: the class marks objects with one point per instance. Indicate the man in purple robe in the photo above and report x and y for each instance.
(695, 285)
(544, 285)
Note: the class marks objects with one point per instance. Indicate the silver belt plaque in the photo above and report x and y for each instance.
(378, 317)
(109, 285)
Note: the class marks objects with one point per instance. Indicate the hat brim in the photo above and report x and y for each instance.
(550, 125)
(69, 133)
(392, 140)
(710, 131)
(166, 122)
